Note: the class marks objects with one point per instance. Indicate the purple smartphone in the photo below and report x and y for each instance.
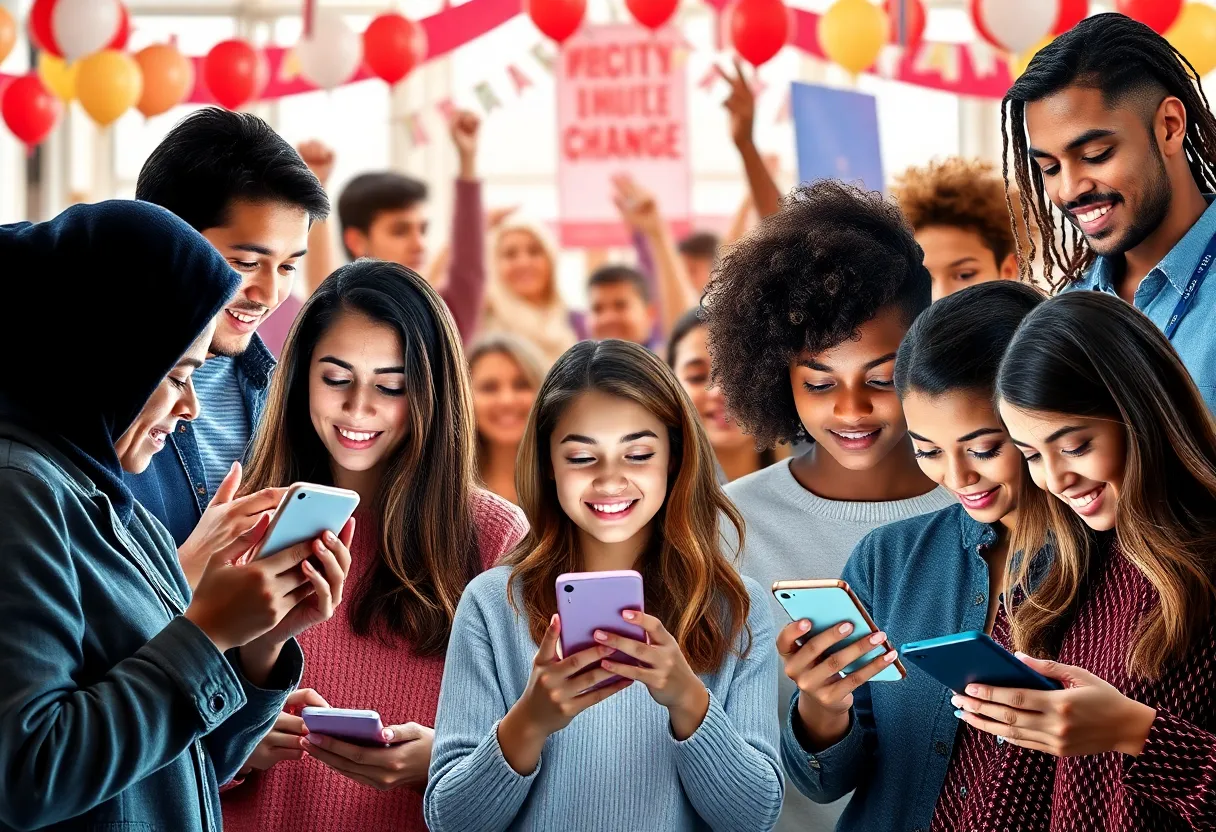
(346, 724)
(590, 601)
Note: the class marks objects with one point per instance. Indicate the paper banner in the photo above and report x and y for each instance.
(447, 109)
(485, 94)
(543, 56)
(418, 136)
(521, 81)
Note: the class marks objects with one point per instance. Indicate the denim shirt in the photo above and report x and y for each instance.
(174, 488)
(1160, 291)
(116, 711)
(920, 578)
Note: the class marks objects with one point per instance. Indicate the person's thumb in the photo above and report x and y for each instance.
(228, 486)
(242, 544)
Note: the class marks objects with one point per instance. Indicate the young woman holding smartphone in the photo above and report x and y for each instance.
(125, 698)
(372, 394)
(1115, 431)
(941, 573)
(615, 474)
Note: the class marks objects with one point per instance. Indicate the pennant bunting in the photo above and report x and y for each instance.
(783, 114)
(521, 81)
(485, 94)
(418, 136)
(984, 59)
(447, 109)
(711, 77)
(543, 57)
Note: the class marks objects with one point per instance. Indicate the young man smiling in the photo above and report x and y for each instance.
(235, 180)
(1110, 124)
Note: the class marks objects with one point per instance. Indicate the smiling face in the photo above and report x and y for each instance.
(618, 310)
(502, 399)
(611, 460)
(262, 241)
(1102, 166)
(523, 266)
(356, 393)
(845, 396)
(1078, 460)
(958, 257)
(173, 400)
(692, 369)
(961, 444)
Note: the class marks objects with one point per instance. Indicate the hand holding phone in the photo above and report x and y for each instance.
(830, 648)
(591, 601)
(355, 744)
(304, 514)
(972, 657)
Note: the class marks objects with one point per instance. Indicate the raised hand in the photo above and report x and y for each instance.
(740, 104)
(319, 157)
(404, 763)
(638, 207)
(466, 128)
(225, 520)
(824, 697)
(495, 217)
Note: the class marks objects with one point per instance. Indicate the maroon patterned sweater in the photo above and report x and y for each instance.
(994, 786)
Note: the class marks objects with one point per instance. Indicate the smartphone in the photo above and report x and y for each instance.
(346, 724)
(590, 601)
(305, 513)
(830, 603)
(960, 659)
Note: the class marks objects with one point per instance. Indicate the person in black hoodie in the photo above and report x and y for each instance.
(125, 700)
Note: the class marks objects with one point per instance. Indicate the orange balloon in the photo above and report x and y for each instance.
(108, 84)
(8, 33)
(168, 78)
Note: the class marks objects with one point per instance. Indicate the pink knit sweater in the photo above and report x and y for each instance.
(352, 672)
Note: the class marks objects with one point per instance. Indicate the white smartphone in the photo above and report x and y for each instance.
(305, 513)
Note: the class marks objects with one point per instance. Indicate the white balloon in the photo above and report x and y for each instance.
(332, 53)
(1018, 25)
(82, 27)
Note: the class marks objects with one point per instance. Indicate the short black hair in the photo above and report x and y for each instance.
(703, 244)
(1129, 63)
(214, 157)
(958, 342)
(369, 195)
(807, 278)
(615, 273)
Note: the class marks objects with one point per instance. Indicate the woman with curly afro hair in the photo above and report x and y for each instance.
(805, 316)
(958, 212)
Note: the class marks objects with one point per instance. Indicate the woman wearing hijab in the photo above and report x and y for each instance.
(124, 699)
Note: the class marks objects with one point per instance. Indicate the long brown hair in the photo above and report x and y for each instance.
(428, 547)
(1092, 355)
(1119, 56)
(690, 585)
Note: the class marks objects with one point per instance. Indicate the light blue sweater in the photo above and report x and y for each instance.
(616, 766)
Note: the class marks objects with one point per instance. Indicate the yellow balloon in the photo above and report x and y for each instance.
(1018, 63)
(8, 33)
(108, 85)
(1194, 35)
(853, 32)
(58, 75)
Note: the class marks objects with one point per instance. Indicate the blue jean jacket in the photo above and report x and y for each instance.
(173, 488)
(920, 578)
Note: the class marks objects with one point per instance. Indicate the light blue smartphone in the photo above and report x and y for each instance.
(830, 603)
(305, 513)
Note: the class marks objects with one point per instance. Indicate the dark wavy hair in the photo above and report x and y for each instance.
(428, 548)
(1124, 59)
(807, 278)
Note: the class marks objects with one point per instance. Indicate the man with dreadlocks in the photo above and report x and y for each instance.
(1109, 126)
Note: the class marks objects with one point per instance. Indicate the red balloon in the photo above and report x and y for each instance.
(978, 22)
(235, 73)
(557, 19)
(41, 32)
(30, 110)
(393, 46)
(652, 14)
(1158, 15)
(758, 29)
(1071, 13)
(914, 25)
(124, 30)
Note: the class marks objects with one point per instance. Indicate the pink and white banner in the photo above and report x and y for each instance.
(621, 107)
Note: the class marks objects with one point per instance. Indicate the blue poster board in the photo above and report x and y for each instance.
(836, 134)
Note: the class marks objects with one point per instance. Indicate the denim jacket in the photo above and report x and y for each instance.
(920, 578)
(173, 488)
(116, 711)
(1162, 288)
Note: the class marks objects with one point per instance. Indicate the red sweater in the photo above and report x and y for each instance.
(352, 672)
(993, 787)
